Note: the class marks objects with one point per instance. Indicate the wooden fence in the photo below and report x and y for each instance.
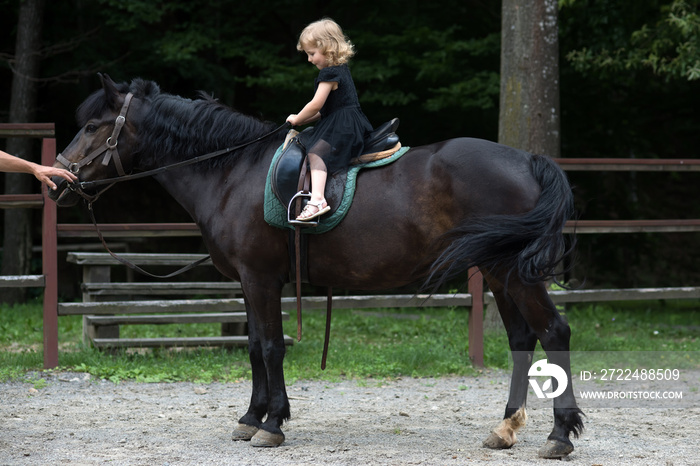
(52, 231)
(49, 240)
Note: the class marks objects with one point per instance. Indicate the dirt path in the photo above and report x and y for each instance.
(76, 420)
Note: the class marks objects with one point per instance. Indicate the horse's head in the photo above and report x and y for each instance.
(108, 139)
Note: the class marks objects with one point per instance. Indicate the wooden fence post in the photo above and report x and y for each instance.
(49, 253)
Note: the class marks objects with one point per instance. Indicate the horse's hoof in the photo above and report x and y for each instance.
(555, 449)
(264, 438)
(244, 432)
(496, 442)
(503, 436)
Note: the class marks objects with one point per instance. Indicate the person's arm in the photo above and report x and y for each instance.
(310, 112)
(10, 163)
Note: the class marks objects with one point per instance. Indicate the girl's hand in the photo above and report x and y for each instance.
(292, 119)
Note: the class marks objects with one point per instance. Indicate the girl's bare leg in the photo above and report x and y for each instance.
(319, 174)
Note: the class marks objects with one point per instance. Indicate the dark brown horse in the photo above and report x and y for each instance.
(429, 216)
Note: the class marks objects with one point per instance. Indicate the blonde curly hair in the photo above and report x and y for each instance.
(327, 36)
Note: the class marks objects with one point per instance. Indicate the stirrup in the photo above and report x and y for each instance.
(294, 221)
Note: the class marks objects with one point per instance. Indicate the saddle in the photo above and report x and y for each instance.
(290, 180)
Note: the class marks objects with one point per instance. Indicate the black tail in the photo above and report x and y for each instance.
(531, 244)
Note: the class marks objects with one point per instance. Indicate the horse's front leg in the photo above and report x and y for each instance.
(250, 423)
(269, 405)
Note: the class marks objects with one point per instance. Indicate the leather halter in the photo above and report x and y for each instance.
(109, 148)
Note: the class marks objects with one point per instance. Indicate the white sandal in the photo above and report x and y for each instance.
(305, 215)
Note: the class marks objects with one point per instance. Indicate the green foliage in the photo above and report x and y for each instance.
(40, 383)
(668, 43)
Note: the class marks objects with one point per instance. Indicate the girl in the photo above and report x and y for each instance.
(342, 127)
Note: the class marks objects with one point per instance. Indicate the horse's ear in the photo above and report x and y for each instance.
(144, 89)
(110, 88)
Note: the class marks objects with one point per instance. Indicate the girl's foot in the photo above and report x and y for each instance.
(313, 210)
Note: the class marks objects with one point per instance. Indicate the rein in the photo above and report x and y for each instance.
(109, 148)
(130, 264)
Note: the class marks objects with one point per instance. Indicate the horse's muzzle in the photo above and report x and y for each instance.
(63, 196)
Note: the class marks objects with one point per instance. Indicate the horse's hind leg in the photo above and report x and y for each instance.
(522, 341)
(554, 334)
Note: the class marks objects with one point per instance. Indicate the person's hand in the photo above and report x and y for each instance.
(44, 175)
(292, 119)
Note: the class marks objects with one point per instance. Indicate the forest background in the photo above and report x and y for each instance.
(629, 79)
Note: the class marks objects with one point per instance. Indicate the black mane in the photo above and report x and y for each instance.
(181, 128)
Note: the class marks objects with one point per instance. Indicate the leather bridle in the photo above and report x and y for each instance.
(109, 147)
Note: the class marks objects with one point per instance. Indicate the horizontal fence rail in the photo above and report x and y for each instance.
(631, 226)
(127, 230)
(628, 165)
(27, 130)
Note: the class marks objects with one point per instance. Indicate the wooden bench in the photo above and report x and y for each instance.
(102, 317)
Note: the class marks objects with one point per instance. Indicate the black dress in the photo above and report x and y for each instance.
(340, 133)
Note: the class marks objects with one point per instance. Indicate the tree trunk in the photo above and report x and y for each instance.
(529, 101)
(17, 244)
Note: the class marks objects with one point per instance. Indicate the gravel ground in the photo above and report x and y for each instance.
(81, 421)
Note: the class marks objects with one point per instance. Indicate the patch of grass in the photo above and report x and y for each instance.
(409, 342)
(653, 334)
(376, 344)
(40, 383)
(640, 326)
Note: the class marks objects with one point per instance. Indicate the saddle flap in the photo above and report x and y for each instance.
(285, 172)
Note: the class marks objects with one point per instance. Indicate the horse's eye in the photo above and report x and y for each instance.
(90, 128)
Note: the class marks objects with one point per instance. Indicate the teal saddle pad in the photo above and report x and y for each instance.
(276, 212)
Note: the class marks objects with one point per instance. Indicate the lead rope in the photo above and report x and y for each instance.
(130, 264)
